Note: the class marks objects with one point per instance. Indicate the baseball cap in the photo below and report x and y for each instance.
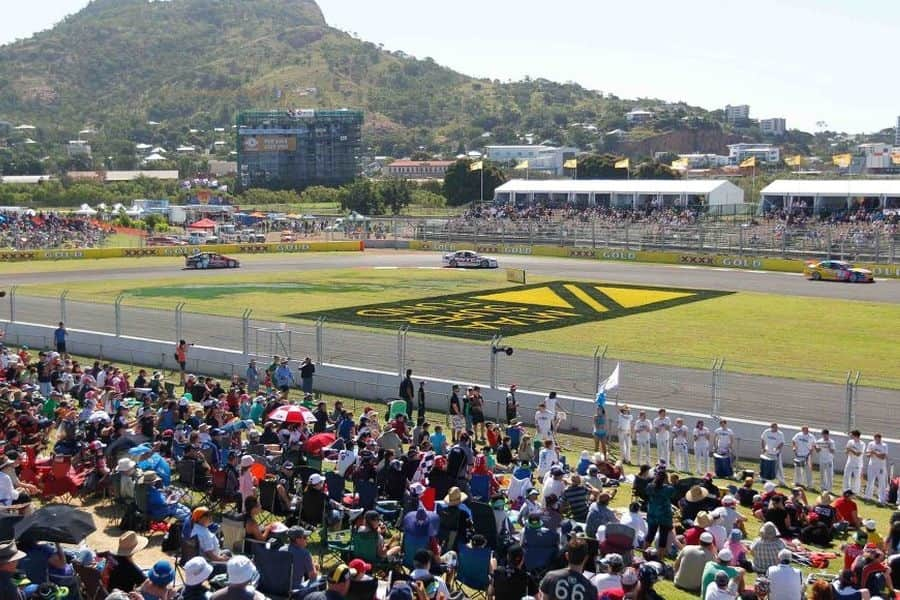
(870, 524)
(706, 537)
(360, 566)
(725, 555)
(316, 479)
(297, 532)
(199, 513)
(341, 573)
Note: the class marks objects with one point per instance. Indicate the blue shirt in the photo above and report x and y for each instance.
(437, 441)
(303, 563)
(156, 503)
(158, 465)
(283, 376)
(59, 336)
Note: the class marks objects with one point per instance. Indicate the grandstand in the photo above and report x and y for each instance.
(298, 148)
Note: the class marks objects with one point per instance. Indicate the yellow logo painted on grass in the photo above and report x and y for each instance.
(519, 310)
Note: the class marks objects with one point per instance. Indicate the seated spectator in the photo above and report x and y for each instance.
(242, 576)
(120, 569)
(252, 530)
(512, 581)
(634, 519)
(690, 562)
(784, 580)
(600, 514)
(157, 586)
(844, 589)
(304, 568)
(766, 547)
(575, 498)
(423, 560)
(160, 505)
(847, 510)
(207, 540)
(196, 573)
(721, 564)
(719, 588)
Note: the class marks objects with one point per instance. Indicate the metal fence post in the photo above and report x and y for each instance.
(245, 331)
(626, 236)
(852, 383)
(740, 241)
(599, 356)
(320, 340)
(495, 341)
(179, 321)
(593, 233)
(12, 303)
(828, 244)
(62, 305)
(401, 349)
(717, 367)
(118, 309)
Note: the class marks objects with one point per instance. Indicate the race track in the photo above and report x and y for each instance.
(739, 280)
(744, 396)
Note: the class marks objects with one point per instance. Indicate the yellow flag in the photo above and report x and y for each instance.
(795, 161)
(895, 158)
(842, 160)
(748, 163)
(623, 164)
(476, 166)
(681, 163)
(572, 163)
(522, 166)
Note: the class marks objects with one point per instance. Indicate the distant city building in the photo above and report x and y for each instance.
(774, 126)
(704, 161)
(638, 116)
(418, 169)
(220, 168)
(547, 159)
(765, 153)
(897, 134)
(737, 115)
(877, 155)
(295, 149)
(78, 148)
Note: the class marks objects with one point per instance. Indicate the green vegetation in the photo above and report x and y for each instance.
(756, 333)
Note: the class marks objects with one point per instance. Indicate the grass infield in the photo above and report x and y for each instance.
(801, 337)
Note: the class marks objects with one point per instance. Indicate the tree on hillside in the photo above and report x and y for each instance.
(396, 194)
(361, 196)
(655, 170)
(600, 166)
(462, 185)
(420, 155)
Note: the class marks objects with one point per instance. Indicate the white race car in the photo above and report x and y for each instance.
(467, 258)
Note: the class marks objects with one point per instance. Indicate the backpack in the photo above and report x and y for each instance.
(172, 541)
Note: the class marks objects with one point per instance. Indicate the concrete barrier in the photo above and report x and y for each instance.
(370, 385)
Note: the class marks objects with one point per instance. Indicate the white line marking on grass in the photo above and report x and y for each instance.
(385, 268)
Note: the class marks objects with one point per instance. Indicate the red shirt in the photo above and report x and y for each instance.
(845, 508)
(692, 536)
(850, 554)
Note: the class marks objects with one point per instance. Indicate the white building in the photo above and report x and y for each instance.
(765, 153)
(876, 155)
(548, 159)
(704, 161)
(638, 115)
(737, 114)
(826, 195)
(78, 148)
(897, 134)
(621, 193)
(773, 126)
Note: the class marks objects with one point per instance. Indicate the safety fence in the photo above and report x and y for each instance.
(706, 386)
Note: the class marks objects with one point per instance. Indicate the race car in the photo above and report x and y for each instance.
(210, 260)
(836, 270)
(467, 258)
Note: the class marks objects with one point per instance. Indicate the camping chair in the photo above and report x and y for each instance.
(68, 581)
(190, 548)
(268, 498)
(619, 539)
(141, 500)
(364, 545)
(336, 486)
(313, 462)
(514, 434)
(412, 543)
(396, 407)
(187, 475)
(483, 522)
(473, 570)
(276, 572)
(304, 472)
(452, 522)
(541, 549)
(367, 493)
(91, 582)
(233, 532)
(480, 487)
(253, 449)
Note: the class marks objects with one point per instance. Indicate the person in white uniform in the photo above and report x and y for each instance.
(803, 443)
(702, 436)
(662, 426)
(825, 448)
(772, 443)
(723, 439)
(680, 445)
(876, 472)
(543, 422)
(853, 468)
(642, 430)
(624, 431)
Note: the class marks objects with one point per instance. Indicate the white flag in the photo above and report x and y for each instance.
(611, 382)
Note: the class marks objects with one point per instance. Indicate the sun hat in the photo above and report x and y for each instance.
(196, 571)
(725, 555)
(125, 464)
(316, 479)
(703, 519)
(241, 570)
(706, 538)
(162, 573)
(533, 492)
(696, 494)
(9, 552)
(150, 477)
(199, 513)
(247, 461)
(360, 566)
(455, 496)
(130, 543)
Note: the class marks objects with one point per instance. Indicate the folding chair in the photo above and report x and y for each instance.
(313, 462)
(480, 487)
(141, 499)
(276, 572)
(304, 472)
(367, 493)
(411, 544)
(187, 475)
(190, 548)
(483, 522)
(256, 449)
(473, 570)
(91, 582)
(541, 549)
(397, 407)
(336, 486)
(233, 533)
(364, 545)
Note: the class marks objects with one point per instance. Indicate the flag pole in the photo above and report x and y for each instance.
(482, 182)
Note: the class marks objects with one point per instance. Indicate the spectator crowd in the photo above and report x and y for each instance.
(48, 231)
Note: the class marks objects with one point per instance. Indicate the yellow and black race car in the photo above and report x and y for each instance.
(836, 270)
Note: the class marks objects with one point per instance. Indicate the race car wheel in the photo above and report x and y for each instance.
(854, 278)
(453, 264)
(816, 276)
(485, 264)
(231, 264)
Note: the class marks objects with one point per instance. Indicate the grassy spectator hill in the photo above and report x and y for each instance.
(189, 65)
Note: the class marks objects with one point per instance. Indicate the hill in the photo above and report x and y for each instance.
(192, 64)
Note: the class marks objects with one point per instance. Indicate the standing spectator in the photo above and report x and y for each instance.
(550, 403)
(659, 509)
(476, 414)
(825, 449)
(600, 430)
(420, 403)
(512, 407)
(543, 423)
(457, 421)
(876, 472)
(252, 376)
(284, 378)
(408, 392)
(624, 431)
(785, 582)
(59, 337)
(642, 429)
(803, 443)
(771, 443)
(307, 370)
(662, 426)
(181, 358)
(853, 467)
(702, 438)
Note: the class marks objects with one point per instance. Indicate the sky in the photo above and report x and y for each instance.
(809, 61)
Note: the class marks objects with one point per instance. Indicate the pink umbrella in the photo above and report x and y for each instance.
(316, 443)
(292, 414)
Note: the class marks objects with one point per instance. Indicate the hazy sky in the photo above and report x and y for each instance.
(805, 60)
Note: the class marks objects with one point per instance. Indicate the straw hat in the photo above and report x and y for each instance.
(455, 497)
(150, 477)
(703, 520)
(696, 494)
(125, 464)
(129, 544)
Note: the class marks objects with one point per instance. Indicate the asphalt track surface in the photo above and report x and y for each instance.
(741, 396)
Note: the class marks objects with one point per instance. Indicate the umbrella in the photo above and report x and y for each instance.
(428, 528)
(315, 443)
(58, 523)
(292, 414)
